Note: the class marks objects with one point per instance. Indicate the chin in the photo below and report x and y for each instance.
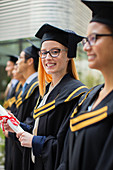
(48, 72)
(92, 66)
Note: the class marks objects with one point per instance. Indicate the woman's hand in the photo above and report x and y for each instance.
(6, 125)
(5, 133)
(25, 139)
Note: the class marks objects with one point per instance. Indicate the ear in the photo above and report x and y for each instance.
(30, 61)
(68, 59)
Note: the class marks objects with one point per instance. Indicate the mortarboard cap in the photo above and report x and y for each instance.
(32, 50)
(102, 11)
(67, 38)
(12, 58)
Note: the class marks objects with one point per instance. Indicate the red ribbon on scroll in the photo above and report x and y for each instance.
(12, 119)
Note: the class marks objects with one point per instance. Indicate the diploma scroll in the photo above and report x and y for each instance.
(14, 125)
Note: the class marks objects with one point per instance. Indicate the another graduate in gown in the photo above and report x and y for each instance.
(19, 76)
(25, 103)
(9, 94)
(11, 87)
(91, 140)
(57, 66)
(16, 75)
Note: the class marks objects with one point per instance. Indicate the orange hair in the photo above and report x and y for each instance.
(74, 71)
(47, 78)
(43, 78)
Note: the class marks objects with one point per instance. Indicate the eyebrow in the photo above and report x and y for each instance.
(52, 48)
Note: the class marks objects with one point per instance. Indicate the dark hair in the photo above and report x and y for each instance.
(35, 61)
(110, 28)
(69, 68)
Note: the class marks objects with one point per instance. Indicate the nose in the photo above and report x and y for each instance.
(17, 61)
(48, 55)
(87, 46)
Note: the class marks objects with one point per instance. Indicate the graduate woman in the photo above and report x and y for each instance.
(56, 66)
(92, 129)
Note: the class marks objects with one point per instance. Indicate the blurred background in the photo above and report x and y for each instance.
(20, 20)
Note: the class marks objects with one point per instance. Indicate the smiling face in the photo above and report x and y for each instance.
(100, 55)
(55, 66)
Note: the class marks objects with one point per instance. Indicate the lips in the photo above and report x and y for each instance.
(50, 64)
(91, 57)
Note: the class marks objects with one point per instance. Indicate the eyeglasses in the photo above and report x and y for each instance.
(91, 39)
(53, 53)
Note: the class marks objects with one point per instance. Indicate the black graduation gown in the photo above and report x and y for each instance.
(10, 99)
(54, 120)
(13, 110)
(91, 139)
(25, 105)
(8, 105)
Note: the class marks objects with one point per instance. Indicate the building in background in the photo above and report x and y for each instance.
(22, 18)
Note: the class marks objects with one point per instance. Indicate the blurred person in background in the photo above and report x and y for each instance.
(9, 93)
(27, 66)
(9, 68)
(12, 105)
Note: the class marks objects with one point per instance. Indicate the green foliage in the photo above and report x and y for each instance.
(91, 80)
(1, 134)
(2, 147)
